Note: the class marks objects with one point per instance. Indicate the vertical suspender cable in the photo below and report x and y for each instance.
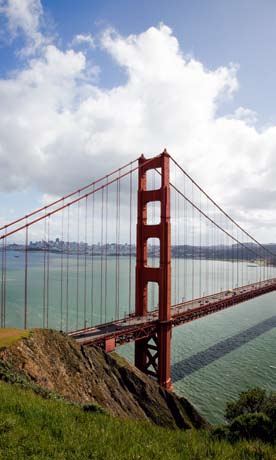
(242, 262)
(106, 243)
(5, 281)
(92, 259)
(222, 255)
(119, 241)
(207, 252)
(117, 249)
(48, 273)
(130, 245)
(200, 243)
(175, 243)
(214, 247)
(78, 265)
(26, 276)
(67, 269)
(85, 266)
(226, 258)
(178, 243)
(101, 279)
(237, 282)
(3, 284)
(193, 250)
(44, 271)
(184, 241)
(61, 268)
(232, 251)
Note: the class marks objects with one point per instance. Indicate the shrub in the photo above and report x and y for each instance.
(220, 432)
(93, 407)
(251, 426)
(269, 406)
(249, 402)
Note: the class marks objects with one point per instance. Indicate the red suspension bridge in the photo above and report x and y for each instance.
(85, 265)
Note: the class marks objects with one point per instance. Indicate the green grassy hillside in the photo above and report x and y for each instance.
(34, 428)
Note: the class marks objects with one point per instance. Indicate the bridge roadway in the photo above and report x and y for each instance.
(132, 328)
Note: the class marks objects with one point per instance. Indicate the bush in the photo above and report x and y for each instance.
(249, 402)
(93, 407)
(251, 426)
(269, 406)
(220, 432)
(252, 416)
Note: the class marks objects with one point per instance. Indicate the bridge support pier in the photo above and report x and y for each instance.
(152, 355)
(164, 355)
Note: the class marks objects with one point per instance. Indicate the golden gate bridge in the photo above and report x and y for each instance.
(112, 263)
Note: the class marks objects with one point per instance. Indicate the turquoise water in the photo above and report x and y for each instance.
(217, 357)
(213, 358)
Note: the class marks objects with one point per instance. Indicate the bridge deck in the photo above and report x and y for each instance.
(134, 328)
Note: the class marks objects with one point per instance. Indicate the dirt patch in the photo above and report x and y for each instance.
(9, 336)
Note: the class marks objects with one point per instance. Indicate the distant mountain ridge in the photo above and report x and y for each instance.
(246, 251)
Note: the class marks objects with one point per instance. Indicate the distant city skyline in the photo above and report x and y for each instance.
(211, 251)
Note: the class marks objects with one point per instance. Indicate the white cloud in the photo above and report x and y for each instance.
(25, 17)
(83, 39)
(249, 116)
(59, 129)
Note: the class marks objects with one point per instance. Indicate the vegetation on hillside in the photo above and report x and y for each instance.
(252, 416)
(36, 428)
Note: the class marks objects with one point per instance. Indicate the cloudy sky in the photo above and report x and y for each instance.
(86, 86)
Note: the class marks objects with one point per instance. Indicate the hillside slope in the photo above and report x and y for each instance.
(41, 429)
(85, 375)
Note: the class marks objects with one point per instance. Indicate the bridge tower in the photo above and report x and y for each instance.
(152, 354)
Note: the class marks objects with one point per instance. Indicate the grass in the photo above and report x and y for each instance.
(10, 336)
(34, 428)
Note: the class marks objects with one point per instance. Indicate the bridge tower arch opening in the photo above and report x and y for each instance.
(152, 354)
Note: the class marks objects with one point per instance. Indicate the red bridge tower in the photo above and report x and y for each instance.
(152, 354)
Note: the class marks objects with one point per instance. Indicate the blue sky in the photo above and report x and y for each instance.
(214, 31)
(221, 96)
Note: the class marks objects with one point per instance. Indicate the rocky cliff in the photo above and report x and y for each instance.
(56, 363)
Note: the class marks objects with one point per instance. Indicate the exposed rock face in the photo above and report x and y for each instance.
(85, 375)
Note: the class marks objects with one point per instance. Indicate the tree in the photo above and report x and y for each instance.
(252, 416)
(251, 426)
(269, 406)
(249, 402)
